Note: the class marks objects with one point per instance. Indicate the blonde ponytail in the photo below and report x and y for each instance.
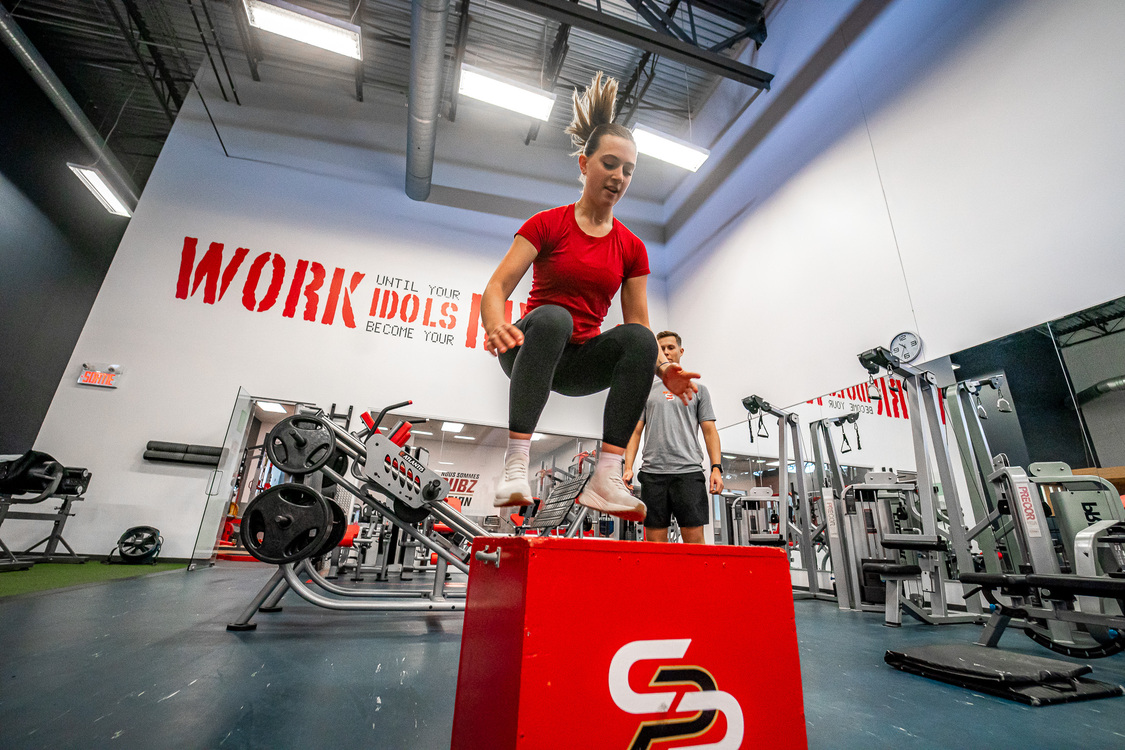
(593, 115)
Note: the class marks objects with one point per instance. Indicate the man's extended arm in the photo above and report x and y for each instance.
(714, 454)
(631, 452)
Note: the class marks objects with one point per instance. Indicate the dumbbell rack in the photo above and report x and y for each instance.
(397, 495)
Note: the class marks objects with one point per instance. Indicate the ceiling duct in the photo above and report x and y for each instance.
(1109, 385)
(24, 51)
(428, 22)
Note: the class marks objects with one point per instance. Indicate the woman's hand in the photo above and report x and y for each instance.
(504, 337)
(678, 381)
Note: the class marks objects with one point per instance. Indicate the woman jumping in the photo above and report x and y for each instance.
(581, 256)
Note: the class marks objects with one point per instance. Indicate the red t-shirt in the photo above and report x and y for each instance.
(578, 272)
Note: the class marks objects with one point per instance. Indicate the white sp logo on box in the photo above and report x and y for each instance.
(707, 702)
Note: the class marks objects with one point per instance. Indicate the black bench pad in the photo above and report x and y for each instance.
(892, 570)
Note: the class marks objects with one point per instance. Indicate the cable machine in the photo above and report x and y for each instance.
(799, 531)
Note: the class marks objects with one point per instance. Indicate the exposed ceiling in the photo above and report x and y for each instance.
(130, 63)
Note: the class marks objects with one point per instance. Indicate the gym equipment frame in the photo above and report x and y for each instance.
(830, 496)
(789, 435)
(396, 486)
(1070, 593)
(33, 484)
(933, 545)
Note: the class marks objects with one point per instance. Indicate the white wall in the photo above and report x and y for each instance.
(310, 178)
(947, 133)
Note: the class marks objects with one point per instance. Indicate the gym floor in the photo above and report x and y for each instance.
(148, 663)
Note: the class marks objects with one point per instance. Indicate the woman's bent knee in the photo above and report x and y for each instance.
(551, 317)
(639, 338)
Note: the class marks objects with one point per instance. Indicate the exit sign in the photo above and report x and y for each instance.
(102, 376)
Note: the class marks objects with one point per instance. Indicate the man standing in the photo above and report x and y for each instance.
(672, 480)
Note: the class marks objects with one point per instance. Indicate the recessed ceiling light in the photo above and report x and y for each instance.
(446, 463)
(463, 437)
(537, 436)
(487, 87)
(452, 426)
(306, 26)
(97, 185)
(669, 149)
(726, 455)
(271, 406)
(422, 432)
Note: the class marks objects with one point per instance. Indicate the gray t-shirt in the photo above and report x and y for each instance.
(671, 443)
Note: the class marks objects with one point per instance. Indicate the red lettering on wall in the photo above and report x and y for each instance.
(333, 297)
(312, 299)
(390, 304)
(250, 288)
(349, 290)
(474, 320)
(448, 310)
(295, 289)
(409, 311)
(207, 272)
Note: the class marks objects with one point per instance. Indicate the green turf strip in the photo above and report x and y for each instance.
(45, 576)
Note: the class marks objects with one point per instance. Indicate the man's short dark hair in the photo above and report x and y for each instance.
(666, 334)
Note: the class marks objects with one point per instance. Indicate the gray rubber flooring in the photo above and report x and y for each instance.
(148, 663)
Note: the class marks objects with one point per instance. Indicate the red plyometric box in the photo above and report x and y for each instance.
(588, 643)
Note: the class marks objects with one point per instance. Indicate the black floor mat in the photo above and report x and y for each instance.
(1034, 680)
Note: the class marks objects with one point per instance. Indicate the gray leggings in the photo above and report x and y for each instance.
(621, 359)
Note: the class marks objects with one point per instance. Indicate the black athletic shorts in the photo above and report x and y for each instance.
(681, 495)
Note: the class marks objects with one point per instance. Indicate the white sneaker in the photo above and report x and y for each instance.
(513, 489)
(606, 492)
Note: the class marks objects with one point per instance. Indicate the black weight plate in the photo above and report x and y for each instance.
(339, 527)
(139, 544)
(300, 444)
(338, 464)
(285, 523)
(408, 514)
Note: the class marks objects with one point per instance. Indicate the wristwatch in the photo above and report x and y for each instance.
(716, 466)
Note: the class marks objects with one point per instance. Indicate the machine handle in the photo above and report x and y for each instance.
(488, 557)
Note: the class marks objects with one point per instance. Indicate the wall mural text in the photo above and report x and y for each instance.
(305, 290)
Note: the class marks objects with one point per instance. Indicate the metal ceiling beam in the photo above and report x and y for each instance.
(157, 58)
(207, 51)
(634, 35)
(628, 97)
(551, 69)
(660, 20)
(249, 43)
(161, 96)
(357, 19)
(219, 49)
(459, 57)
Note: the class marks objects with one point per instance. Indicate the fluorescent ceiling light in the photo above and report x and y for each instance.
(423, 432)
(446, 463)
(452, 426)
(726, 455)
(773, 463)
(271, 406)
(306, 26)
(669, 149)
(463, 437)
(97, 185)
(537, 436)
(518, 97)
